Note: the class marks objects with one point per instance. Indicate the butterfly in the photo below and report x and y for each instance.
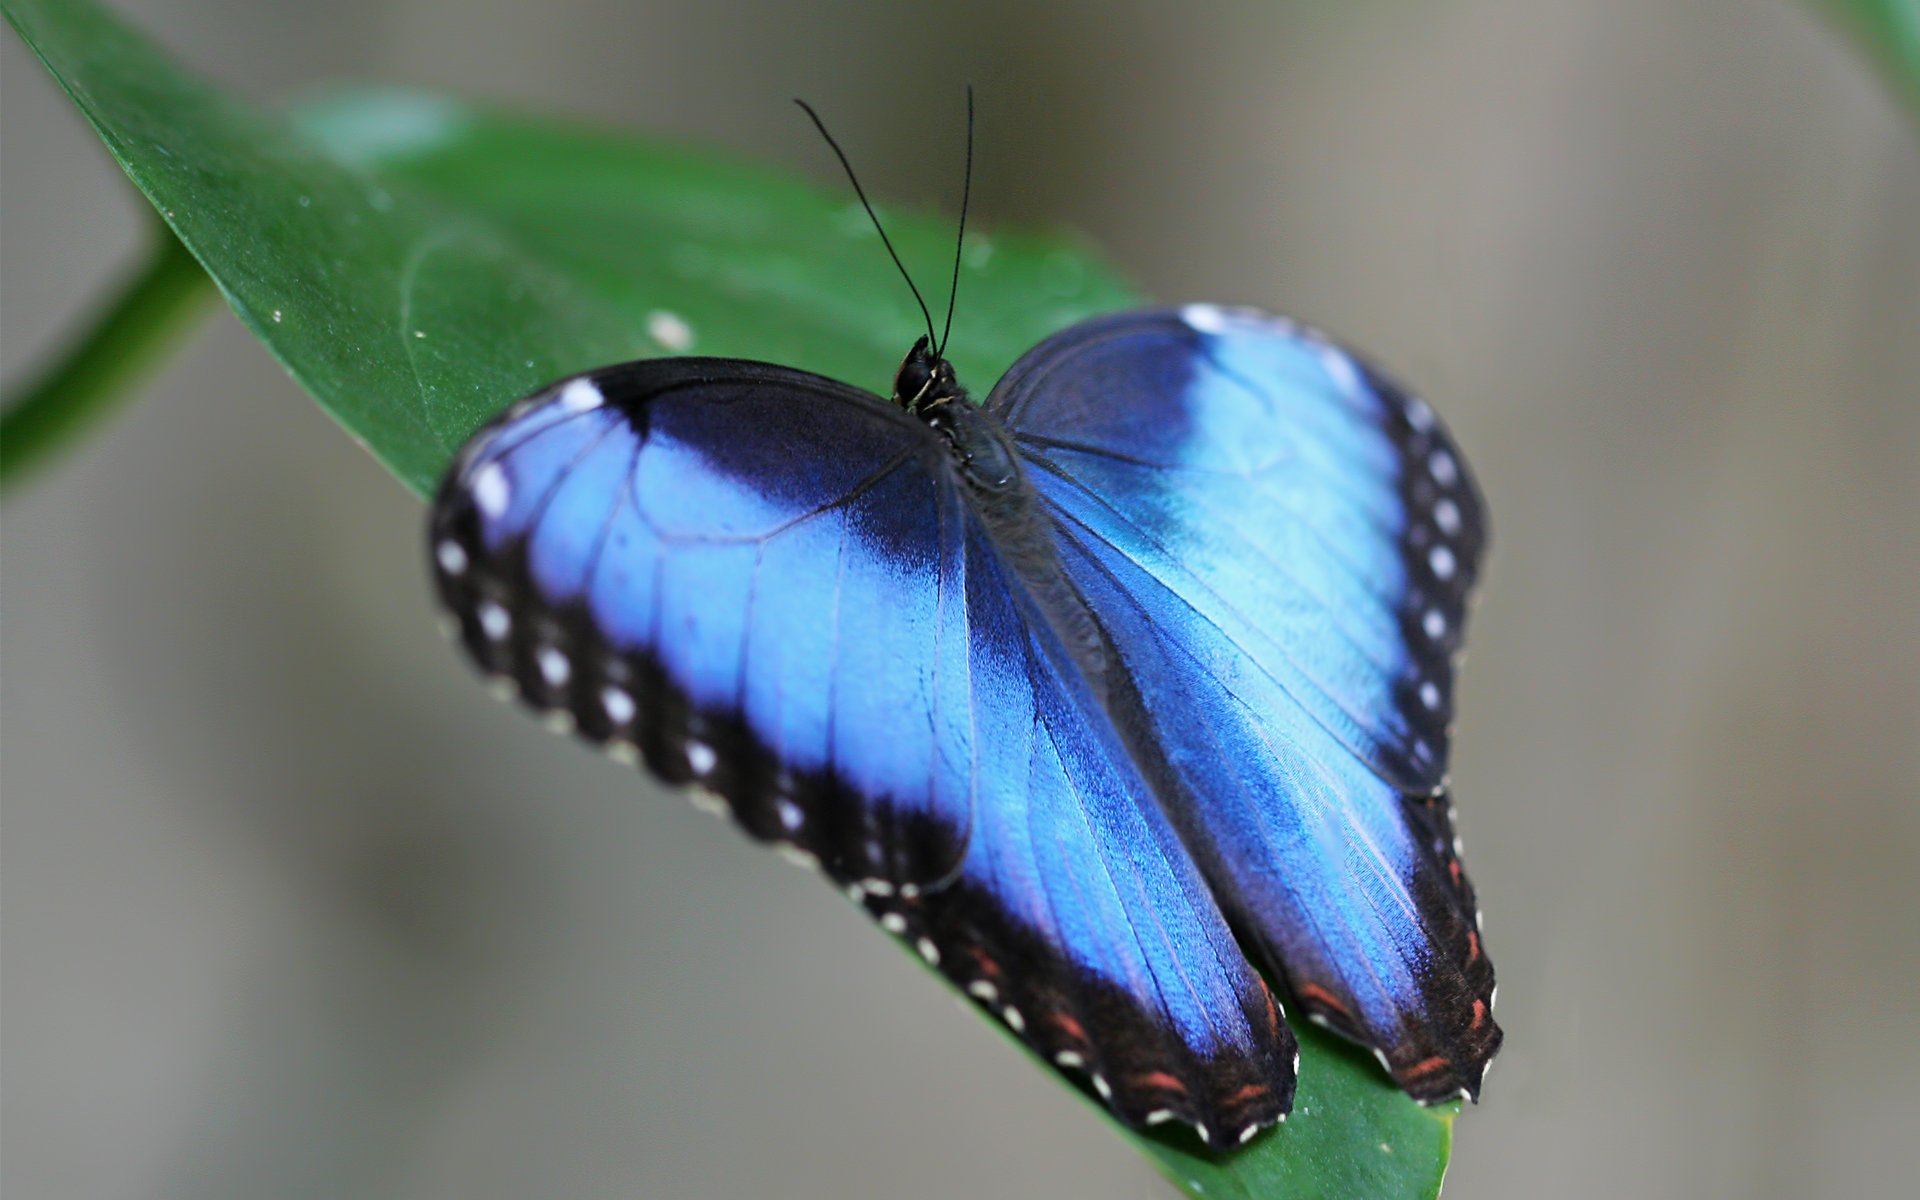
(1104, 695)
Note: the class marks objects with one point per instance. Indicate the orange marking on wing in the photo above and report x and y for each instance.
(1318, 995)
(1252, 1091)
(1425, 1066)
(1479, 1013)
(1473, 946)
(1453, 869)
(1070, 1027)
(1160, 1079)
(988, 967)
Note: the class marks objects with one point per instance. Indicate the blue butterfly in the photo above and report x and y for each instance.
(1097, 694)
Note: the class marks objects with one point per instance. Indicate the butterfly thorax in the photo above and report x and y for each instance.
(925, 386)
(985, 458)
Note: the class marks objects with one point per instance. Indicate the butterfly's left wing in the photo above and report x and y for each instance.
(1279, 543)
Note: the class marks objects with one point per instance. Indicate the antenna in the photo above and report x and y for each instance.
(884, 240)
(960, 239)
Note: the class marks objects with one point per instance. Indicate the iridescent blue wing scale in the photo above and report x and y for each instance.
(779, 589)
(1279, 543)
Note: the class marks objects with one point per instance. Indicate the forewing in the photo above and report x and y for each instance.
(774, 587)
(1279, 543)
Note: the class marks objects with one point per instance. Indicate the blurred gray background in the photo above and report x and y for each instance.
(292, 909)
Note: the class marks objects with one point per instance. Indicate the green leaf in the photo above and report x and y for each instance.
(417, 263)
(1889, 32)
(1351, 1134)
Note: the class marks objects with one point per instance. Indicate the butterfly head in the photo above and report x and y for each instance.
(925, 379)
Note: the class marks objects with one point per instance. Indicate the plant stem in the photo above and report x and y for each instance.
(82, 383)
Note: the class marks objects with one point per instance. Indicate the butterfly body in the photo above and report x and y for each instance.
(1097, 694)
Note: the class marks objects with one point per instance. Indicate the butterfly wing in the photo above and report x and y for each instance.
(775, 587)
(1279, 542)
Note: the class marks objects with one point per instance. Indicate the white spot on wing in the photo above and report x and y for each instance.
(1246, 1135)
(1206, 318)
(580, 395)
(1015, 1021)
(1446, 515)
(1445, 471)
(700, 757)
(1218, 319)
(1159, 1116)
(1430, 695)
(790, 816)
(929, 951)
(1339, 368)
(554, 667)
(618, 706)
(494, 621)
(453, 560)
(1440, 558)
(490, 490)
(670, 330)
(1433, 624)
(893, 922)
(984, 990)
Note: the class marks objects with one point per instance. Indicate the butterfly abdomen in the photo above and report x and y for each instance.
(989, 466)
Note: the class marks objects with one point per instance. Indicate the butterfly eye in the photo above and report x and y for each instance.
(916, 376)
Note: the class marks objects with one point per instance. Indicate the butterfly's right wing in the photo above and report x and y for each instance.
(1280, 543)
(771, 586)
